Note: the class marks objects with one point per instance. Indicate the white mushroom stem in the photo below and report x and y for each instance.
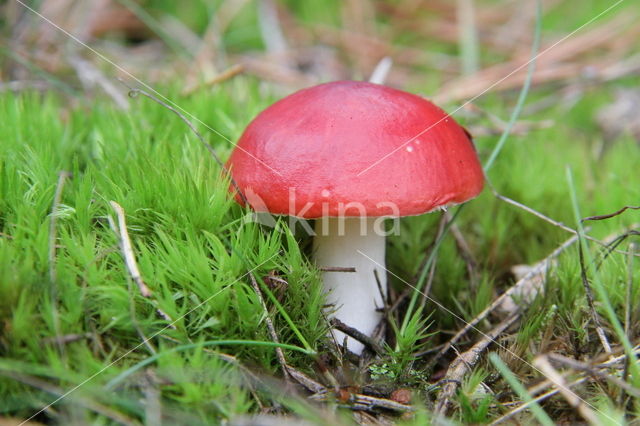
(354, 296)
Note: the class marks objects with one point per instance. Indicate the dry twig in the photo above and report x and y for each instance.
(593, 371)
(270, 28)
(628, 308)
(380, 72)
(543, 365)
(521, 287)
(465, 362)
(424, 296)
(338, 269)
(91, 76)
(306, 381)
(539, 398)
(216, 79)
(607, 241)
(20, 85)
(129, 258)
(590, 299)
(211, 51)
(357, 401)
(270, 327)
(67, 338)
(555, 62)
(152, 399)
(127, 250)
(268, 68)
(82, 401)
(465, 252)
(610, 215)
(359, 336)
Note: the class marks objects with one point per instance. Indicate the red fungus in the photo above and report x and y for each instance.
(354, 149)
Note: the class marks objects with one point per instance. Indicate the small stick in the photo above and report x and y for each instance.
(381, 292)
(330, 378)
(530, 210)
(333, 340)
(627, 307)
(134, 92)
(399, 299)
(338, 269)
(152, 399)
(535, 271)
(546, 218)
(80, 401)
(611, 361)
(306, 381)
(590, 299)
(608, 363)
(379, 332)
(19, 85)
(430, 278)
(216, 79)
(272, 331)
(270, 27)
(610, 215)
(429, 283)
(593, 371)
(132, 308)
(380, 72)
(465, 252)
(90, 76)
(465, 361)
(357, 401)
(424, 295)
(67, 338)
(129, 258)
(127, 251)
(432, 269)
(614, 242)
(538, 398)
(542, 363)
(134, 320)
(369, 403)
(230, 72)
(358, 335)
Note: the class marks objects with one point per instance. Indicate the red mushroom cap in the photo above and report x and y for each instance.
(354, 149)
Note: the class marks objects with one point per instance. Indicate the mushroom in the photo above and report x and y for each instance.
(350, 154)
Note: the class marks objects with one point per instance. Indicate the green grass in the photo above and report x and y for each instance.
(188, 237)
(215, 360)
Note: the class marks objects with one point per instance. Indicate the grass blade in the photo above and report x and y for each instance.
(536, 409)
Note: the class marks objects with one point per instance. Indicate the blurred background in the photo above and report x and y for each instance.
(450, 51)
